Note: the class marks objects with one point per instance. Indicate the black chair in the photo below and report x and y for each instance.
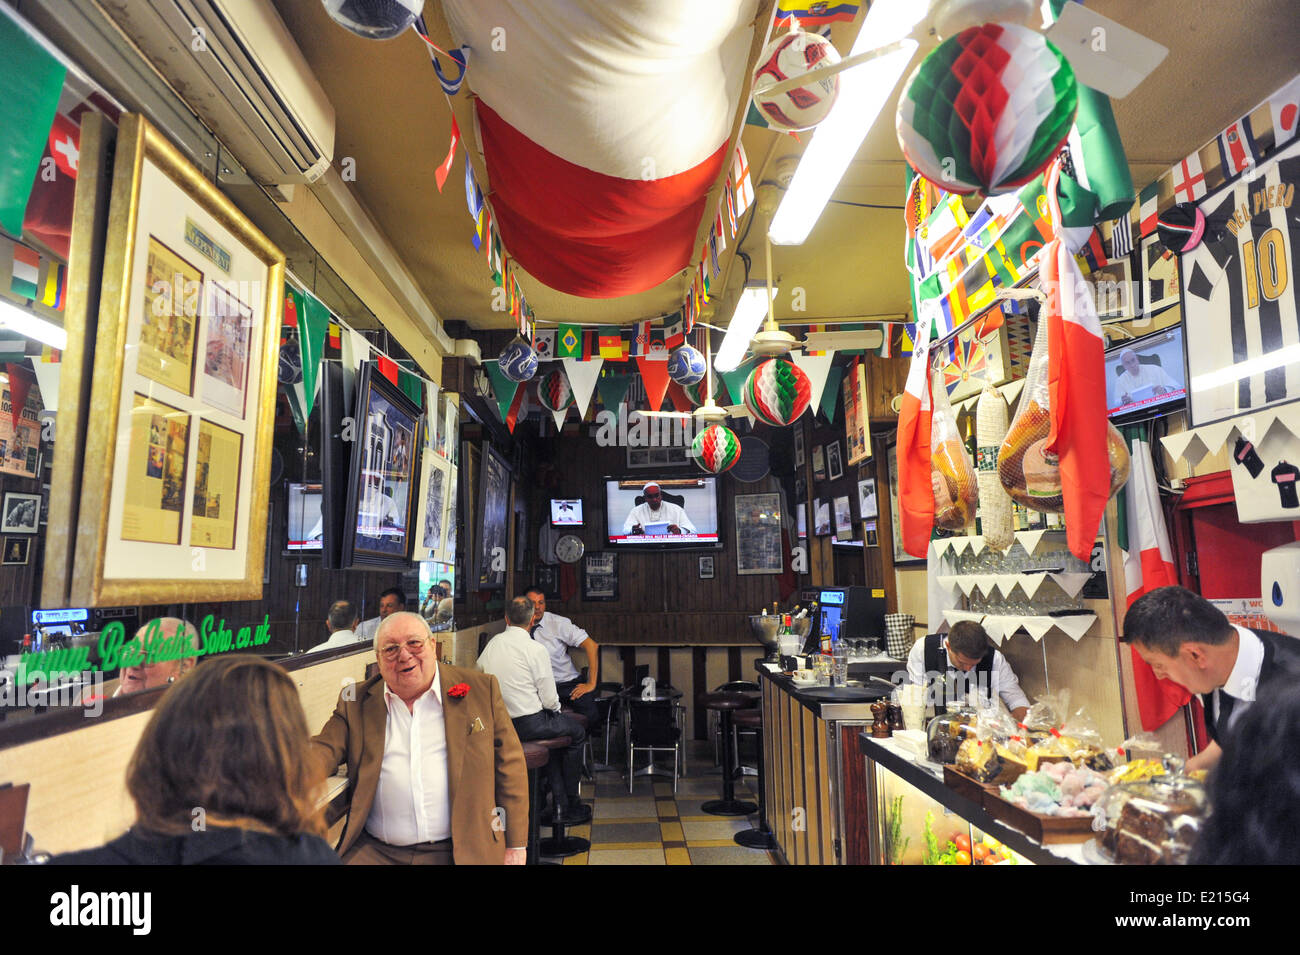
(653, 726)
(727, 704)
(607, 706)
(760, 836)
(536, 756)
(678, 499)
(735, 686)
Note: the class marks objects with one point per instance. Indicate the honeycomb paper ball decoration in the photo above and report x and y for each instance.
(374, 19)
(787, 57)
(698, 392)
(987, 109)
(953, 16)
(554, 392)
(777, 392)
(518, 361)
(716, 448)
(686, 365)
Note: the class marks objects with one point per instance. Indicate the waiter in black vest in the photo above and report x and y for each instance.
(1187, 639)
(965, 660)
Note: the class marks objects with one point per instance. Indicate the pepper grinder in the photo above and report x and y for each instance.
(880, 716)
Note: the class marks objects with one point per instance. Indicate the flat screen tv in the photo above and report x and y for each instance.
(662, 512)
(1146, 374)
(566, 512)
(306, 527)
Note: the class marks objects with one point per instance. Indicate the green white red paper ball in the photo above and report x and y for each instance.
(777, 392)
(554, 391)
(987, 109)
(716, 448)
(686, 365)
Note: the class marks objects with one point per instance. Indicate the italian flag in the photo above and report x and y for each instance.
(1077, 381)
(915, 492)
(1148, 564)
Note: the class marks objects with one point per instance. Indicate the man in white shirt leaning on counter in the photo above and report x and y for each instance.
(963, 661)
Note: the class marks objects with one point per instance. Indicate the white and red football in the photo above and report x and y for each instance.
(790, 56)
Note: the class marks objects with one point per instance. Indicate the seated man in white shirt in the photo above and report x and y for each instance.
(522, 667)
(557, 634)
(391, 601)
(656, 510)
(963, 661)
(341, 622)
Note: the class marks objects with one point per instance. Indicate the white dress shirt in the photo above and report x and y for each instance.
(523, 670)
(556, 634)
(367, 629)
(668, 512)
(413, 801)
(1005, 683)
(339, 638)
(1243, 681)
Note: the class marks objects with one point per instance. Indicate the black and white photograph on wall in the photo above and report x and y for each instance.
(493, 517)
(821, 517)
(758, 534)
(600, 576)
(834, 463)
(546, 577)
(843, 519)
(819, 462)
(868, 509)
(706, 568)
(798, 446)
(16, 549)
(45, 504)
(21, 513)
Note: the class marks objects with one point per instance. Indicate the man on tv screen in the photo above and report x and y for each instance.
(1139, 380)
(656, 516)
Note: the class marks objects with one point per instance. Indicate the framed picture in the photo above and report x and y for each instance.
(1160, 284)
(177, 455)
(799, 458)
(658, 457)
(1113, 290)
(22, 513)
(521, 541)
(819, 462)
(821, 517)
(600, 576)
(547, 577)
(493, 515)
(758, 534)
(834, 463)
(20, 445)
(16, 550)
(857, 425)
(435, 486)
(901, 557)
(867, 506)
(843, 519)
(869, 534)
(380, 520)
(1238, 286)
(706, 568)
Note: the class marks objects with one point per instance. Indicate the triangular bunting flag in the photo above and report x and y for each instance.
(504, 389)
(655, 375)
(355, 352)
(412, 386)
(388, 368)
(831, 393)
(47, 378)
(613, 389)
(582, 376)
(678, 397)
(816, 368)
(313, 324)
(735, 381)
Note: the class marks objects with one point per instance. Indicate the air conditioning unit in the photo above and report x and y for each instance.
(236, 65)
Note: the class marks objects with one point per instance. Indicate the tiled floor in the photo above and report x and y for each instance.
(651, 826)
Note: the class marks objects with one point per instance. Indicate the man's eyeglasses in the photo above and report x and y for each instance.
(393, 650)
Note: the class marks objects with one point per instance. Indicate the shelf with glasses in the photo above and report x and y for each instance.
(1000, 626)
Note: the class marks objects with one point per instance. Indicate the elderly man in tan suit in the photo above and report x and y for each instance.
(435, 769)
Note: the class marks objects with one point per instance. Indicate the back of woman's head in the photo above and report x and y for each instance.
(1255, 789)
(228, 744)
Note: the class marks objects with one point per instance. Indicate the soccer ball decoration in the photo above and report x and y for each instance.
(987, 110)
(686, 365)
(716, 448)
(554, 392)
(777, 392)
(789, 56)
(518, 361)
(374, 19)
(697, 392)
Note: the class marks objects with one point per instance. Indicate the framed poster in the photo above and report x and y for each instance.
(1239, 293)
(868, 509)
(799, 458)
(546, 577)
(843, 519)
(819, 463)
(600, 576)
(1159, 276)
(379, 522)
(1112, 289)
(821, 517)
(20, 445)
(658, 457)
(493, 514)
(435, 486)
(834, 463)
(706, 568)
(857, 424)
(177, 457)
(450, 517)
(758, 534)
(16, 549)
(21, 513)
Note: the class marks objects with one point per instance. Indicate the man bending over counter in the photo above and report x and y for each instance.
(965, 660)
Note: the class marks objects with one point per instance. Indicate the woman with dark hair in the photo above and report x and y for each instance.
(1255, 789)
(222, 776)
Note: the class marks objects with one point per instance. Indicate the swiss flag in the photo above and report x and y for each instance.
(49, 209)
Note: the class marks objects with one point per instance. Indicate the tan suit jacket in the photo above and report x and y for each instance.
(485, 765)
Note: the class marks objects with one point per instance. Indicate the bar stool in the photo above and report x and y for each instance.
(725, 704)
(536, 756)
(760, 837)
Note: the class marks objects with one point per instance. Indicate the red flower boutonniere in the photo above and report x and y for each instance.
(459, 691)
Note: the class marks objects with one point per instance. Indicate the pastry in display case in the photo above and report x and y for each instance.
(1152, 821)
(947, 731)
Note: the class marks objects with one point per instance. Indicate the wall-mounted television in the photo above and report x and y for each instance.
(662, 512)
(566, 512)
(306, 527)
(1146, 374)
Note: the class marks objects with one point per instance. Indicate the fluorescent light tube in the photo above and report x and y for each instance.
(1247, 368)
(864, 91)
(25, 323)
(751, 309)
